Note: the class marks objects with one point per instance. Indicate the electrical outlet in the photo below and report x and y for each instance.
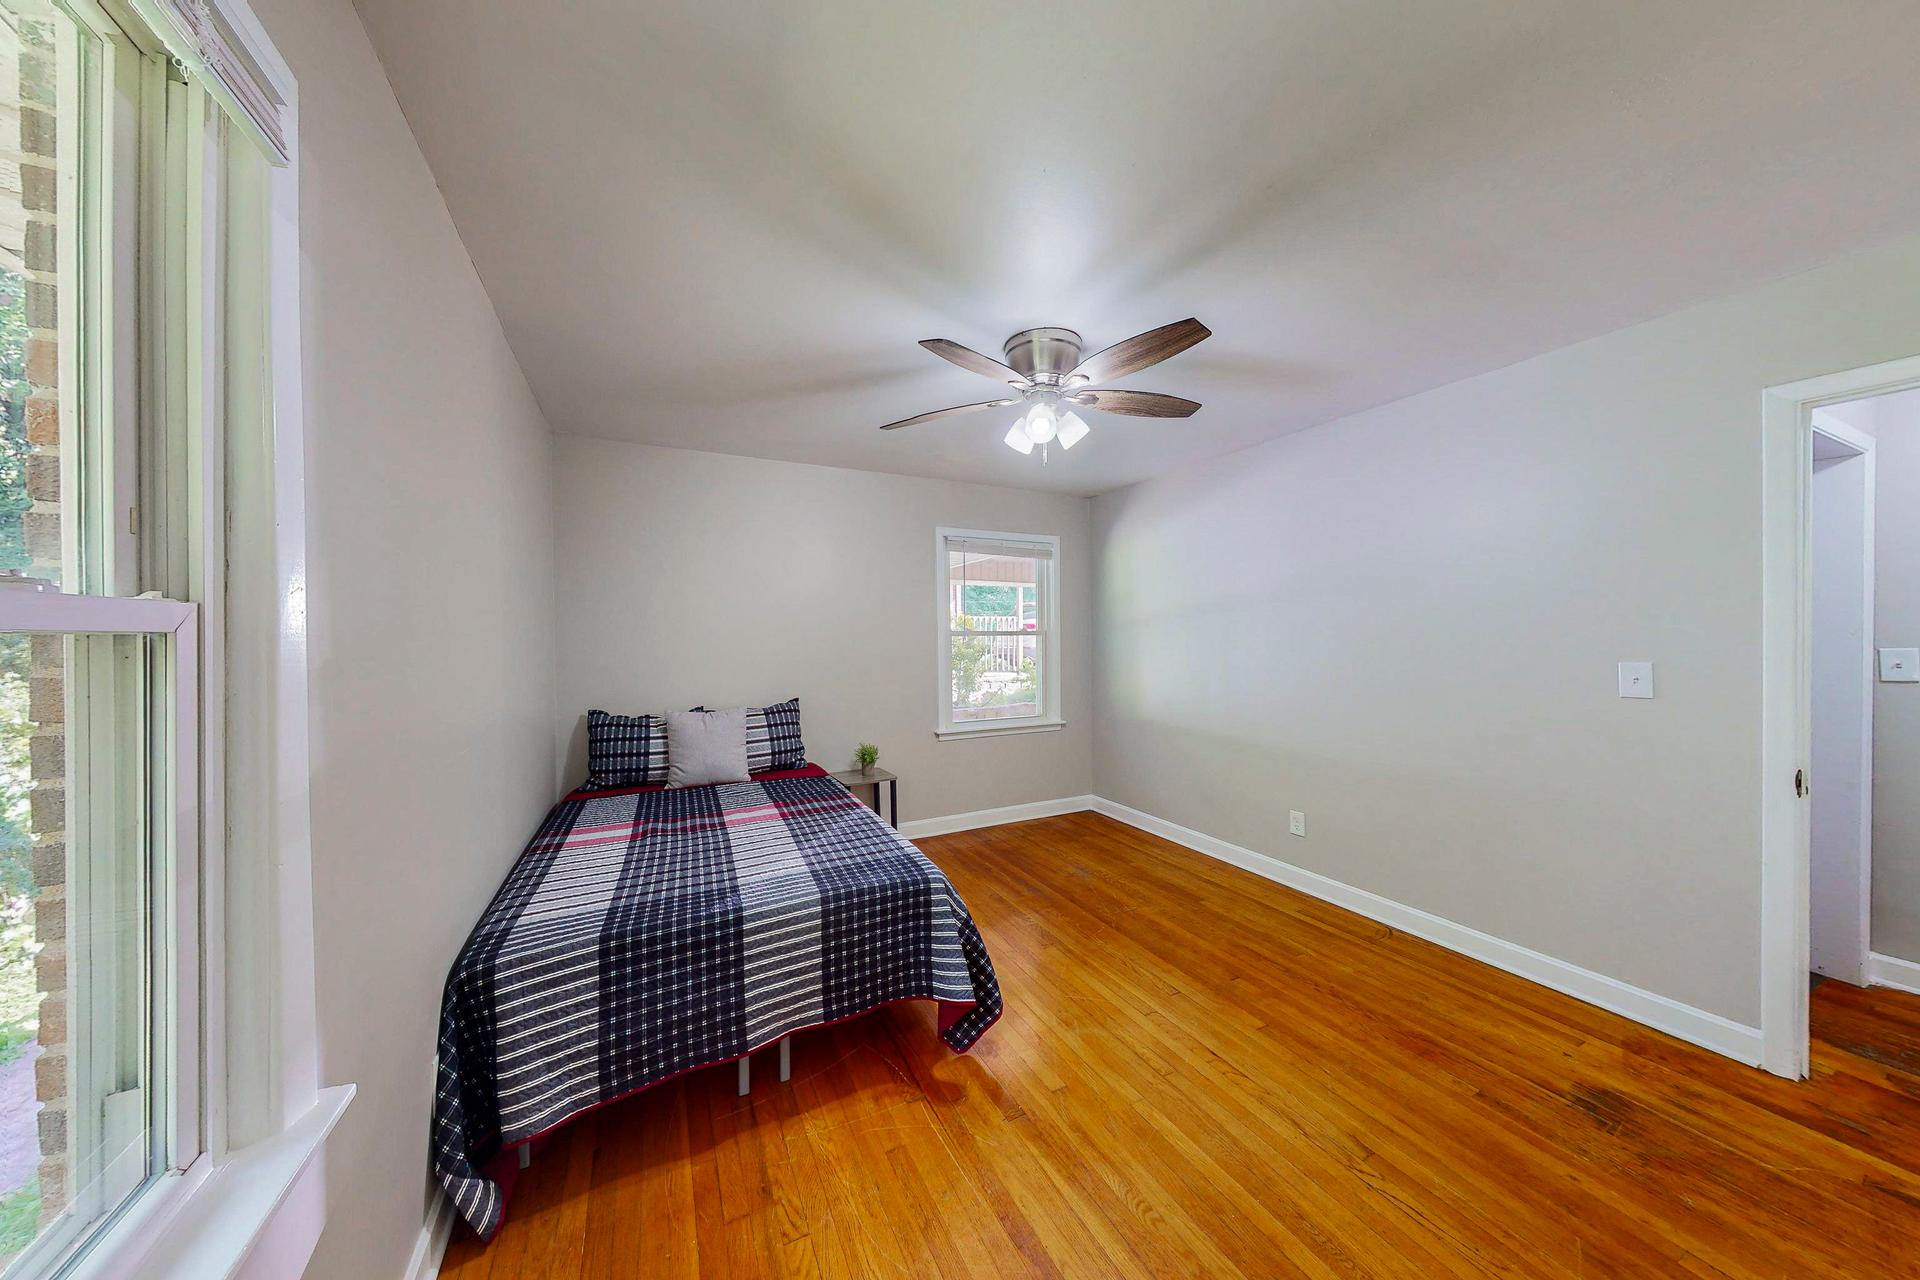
(1296, 822)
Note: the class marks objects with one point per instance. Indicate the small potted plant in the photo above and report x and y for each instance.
(866, 753)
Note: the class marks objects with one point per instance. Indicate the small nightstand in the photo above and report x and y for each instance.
(851, 778)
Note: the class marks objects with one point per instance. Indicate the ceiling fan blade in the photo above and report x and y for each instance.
(1141, 350)
(1137, 404)
(948, 413)
(972, 361)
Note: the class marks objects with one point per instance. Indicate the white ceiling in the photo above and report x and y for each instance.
(724, 225)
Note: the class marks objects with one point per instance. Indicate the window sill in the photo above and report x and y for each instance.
(994, 729)
(204, 1227)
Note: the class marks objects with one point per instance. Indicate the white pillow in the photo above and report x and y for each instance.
(706, 746)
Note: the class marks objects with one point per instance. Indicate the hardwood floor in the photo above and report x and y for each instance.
(1201, 1073)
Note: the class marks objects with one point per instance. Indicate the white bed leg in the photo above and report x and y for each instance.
(786, 1060)
(746, 1076)
(526, 1154)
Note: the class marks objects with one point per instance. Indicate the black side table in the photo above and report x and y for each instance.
(851, 778)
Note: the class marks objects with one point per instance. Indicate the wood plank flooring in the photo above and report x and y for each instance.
(1201, 1073)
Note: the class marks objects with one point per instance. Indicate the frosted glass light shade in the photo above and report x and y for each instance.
(1072, 430)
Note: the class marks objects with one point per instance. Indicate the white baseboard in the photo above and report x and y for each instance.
(1891, 971)
(1697, 1026)
(432, 1244)
(996, 817)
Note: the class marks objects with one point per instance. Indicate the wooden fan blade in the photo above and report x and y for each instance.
(1142, 350)
(948, 413)
(1137, 404)
(972, 361)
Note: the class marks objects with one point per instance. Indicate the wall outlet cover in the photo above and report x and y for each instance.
(1900, 666)
(1296, 822)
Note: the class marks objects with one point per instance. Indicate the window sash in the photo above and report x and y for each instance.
(169, 786)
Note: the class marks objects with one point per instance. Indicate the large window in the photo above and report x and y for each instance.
(998, 631)
(119, 281)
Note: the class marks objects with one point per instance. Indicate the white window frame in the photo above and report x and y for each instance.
(1049, 718)
(263, 1184)
(224, 1191)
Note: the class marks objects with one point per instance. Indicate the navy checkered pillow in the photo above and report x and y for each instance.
(781, 725)
(773, 737)
(625, 751)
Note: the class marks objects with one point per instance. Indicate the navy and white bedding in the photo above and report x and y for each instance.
(646, 933)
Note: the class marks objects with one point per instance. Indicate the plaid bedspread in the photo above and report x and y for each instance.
(641, 935)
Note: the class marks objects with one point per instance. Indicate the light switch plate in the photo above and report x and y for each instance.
(1636, 679)
(1900, 666)
(1296, 822)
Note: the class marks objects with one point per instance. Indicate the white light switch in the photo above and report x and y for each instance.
(1636, 679)
(1900, 666)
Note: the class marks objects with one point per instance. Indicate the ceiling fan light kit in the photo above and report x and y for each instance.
(1044, 368)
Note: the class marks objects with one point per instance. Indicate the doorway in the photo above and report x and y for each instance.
(1831, 660)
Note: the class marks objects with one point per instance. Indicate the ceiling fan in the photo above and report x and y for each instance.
(1044, 368)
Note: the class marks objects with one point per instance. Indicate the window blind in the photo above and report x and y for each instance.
(1001, 547)
(204, 39)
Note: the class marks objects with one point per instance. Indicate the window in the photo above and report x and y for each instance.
(131, 368)
(998, 632)
(99, 992)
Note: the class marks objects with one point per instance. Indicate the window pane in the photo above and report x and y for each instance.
(996, 675)
(38, 97)
(78, 764)
(993, 592)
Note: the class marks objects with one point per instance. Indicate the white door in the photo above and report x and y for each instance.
(1842, 705)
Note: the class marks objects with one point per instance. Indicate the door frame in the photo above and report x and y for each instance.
(1787, 693)
(1862, 445)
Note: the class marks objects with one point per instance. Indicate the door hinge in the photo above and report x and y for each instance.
(1800, 783)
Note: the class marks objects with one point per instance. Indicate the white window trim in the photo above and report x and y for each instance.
(246, 1193)
(291, 933)
(1049, 720)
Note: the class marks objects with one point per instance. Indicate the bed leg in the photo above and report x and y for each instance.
(746, 1076)
(526, 1154)
(786, 1060)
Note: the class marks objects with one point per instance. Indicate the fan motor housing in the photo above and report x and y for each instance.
(1045, 356)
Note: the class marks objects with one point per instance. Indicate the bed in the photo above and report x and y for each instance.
(647, 932)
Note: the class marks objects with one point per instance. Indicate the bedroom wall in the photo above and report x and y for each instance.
(1896, 707)
(1406, 623)
(688, 578)
(430, 612)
